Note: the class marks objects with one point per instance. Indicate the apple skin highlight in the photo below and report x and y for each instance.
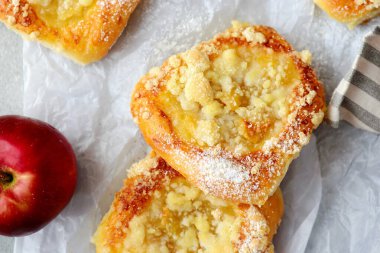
(38, 174)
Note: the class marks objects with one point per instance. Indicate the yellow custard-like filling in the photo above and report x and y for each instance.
(236, 101)
(60, 12)
(182, 219)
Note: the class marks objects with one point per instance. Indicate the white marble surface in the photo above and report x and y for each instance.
(11, 87)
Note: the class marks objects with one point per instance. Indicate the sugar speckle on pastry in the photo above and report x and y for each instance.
(145, 115)
(34, 35)
(11, 20)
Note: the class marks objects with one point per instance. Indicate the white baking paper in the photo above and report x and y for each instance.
(339, 169)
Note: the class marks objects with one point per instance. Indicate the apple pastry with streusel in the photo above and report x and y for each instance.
(350, 12)
(231, 113)
(83, 30)
(157, 210)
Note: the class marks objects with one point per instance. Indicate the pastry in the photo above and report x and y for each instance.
(350, 12)
(157, 210)
(83, 30)
(231, 113)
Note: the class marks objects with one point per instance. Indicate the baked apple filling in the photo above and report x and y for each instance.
(237, 99)
(59, 12)
(181, 218)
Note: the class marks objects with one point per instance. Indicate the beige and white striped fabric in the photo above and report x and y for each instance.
(357, 97)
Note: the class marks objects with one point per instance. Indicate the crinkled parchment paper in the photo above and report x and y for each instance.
(331, 190)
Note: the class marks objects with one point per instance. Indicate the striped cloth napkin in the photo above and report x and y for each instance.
(357, 97)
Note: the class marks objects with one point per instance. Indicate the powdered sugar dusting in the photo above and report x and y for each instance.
(255, 232)
(214, 166)
(217, 173)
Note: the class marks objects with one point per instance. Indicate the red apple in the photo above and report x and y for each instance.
(38, 174)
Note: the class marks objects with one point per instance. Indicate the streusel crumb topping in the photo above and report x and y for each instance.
(234, 98)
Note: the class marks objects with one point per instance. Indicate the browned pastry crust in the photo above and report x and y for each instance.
(123, 230)
(215, 166)
(350, 12)
(83, 30)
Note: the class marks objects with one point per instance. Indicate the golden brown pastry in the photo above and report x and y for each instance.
(231, 113)
(83, 30)
(350, 12)
(157, 210)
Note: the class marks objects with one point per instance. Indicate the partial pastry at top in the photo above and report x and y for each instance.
(350, 12)
(158, 211)
(233, 112)
(83, 30)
